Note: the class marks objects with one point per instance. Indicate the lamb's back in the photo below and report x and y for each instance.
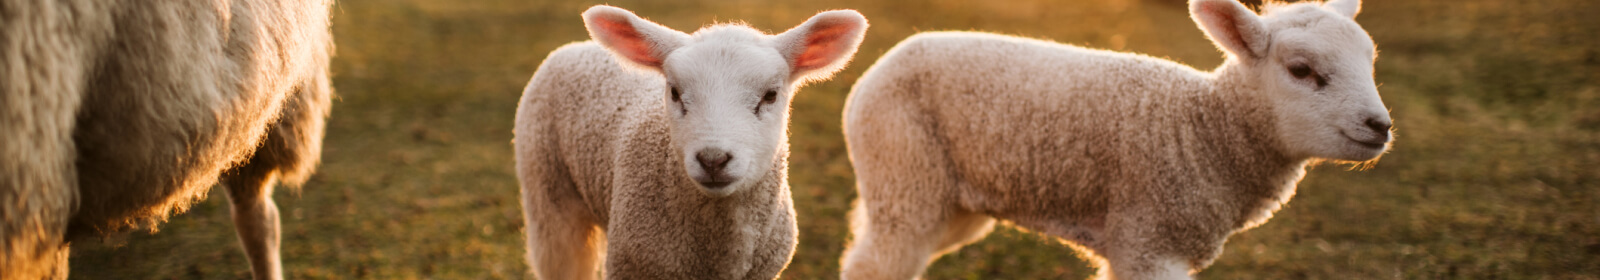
(1029, 123)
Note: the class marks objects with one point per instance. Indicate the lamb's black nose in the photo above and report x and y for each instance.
(713, 160)
(1381, 127)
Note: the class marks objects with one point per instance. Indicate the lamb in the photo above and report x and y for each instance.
(1143, 165)
(667, 152)
(108, 124)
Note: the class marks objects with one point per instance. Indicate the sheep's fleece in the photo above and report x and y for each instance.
(116, 114)
(666, 153)
(1144, 165)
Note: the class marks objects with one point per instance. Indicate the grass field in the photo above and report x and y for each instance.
(1494, 175)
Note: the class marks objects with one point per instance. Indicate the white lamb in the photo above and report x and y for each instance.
(1145, 165)
(673, 145)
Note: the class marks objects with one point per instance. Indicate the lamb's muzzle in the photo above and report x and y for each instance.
(712, 161)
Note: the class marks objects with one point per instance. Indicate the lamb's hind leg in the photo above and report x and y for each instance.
(255, 217)
(564, 242)
(289, 152)
(904, 247)
(907, 213)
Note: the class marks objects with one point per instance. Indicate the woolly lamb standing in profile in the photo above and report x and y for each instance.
(1146, 165)
(672, 146)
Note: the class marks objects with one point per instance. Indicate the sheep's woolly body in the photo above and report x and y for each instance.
(1135, 140)
(595, 135)
(109, 123)
(1145, 165)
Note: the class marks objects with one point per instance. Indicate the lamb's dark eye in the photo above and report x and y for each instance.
(677, 97)
(772, 96)
(1303, 71)
(768, 98)
(1300, 71)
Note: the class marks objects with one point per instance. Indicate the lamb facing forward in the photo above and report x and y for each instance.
(1144, 164)
(673, 145)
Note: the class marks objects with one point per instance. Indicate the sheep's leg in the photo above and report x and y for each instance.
(255, 217)
(961, 229)
(286, 157)
(1136, 266)
(907, 214)
(564, 242)
(1136, 253)
(881, 250)
(903, 248)
(563, 246)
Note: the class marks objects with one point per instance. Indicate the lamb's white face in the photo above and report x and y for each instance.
(729, 103)
(1315, 64)
(1319, 72)
(728, 86)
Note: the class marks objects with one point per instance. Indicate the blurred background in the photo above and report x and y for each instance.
(1494, 174)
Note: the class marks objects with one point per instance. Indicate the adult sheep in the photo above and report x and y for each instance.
(116, 114)
(1146, 165)
(668, 151)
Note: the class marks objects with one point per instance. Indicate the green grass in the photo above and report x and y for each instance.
(1494, 175)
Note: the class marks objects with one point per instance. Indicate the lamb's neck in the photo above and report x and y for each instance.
(1231, 113)
(1235, 140)
(774, 183)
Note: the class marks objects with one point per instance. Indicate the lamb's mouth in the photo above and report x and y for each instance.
(715, 181)
(1369, 144)
(715, 184)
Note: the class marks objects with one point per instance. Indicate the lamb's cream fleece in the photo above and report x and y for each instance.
(612, 139)
(1145, 165)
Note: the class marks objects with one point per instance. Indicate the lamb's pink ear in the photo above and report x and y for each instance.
(1347, 8)
(1231, 26)
(634, 40)
(823, 44)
